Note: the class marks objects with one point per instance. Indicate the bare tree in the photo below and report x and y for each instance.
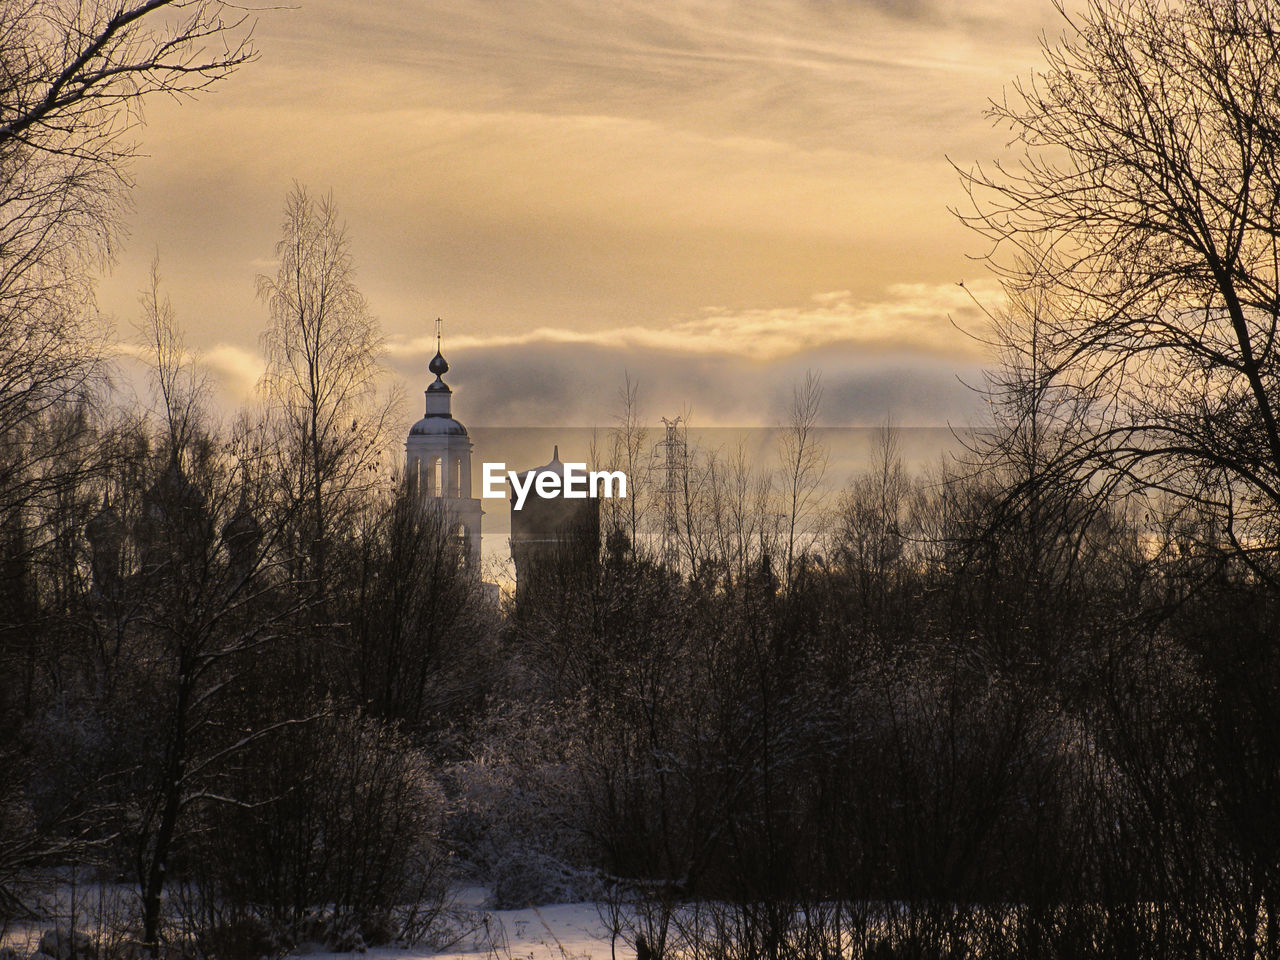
(872, 536)
(73, 77)
(804, 464)
(627, 452)
(180, 385)
(73, 71)
(414, 603)
(322, 368)
(741, 505)
(1145, 204)
(1144, 200)
(197, 611)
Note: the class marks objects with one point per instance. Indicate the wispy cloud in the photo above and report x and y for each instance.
(230, 370)
(552, 175)
(919, 319)
(235, 369)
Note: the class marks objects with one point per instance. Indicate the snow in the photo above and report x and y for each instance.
(568, 931)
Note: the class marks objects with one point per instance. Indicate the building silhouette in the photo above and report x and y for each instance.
(438, 460)
(554, 539)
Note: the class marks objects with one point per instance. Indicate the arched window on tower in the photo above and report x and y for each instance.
(437, 477)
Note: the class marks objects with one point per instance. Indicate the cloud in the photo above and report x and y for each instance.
(577, 384)
(235, 369)
(809, 71)
(900, 358)
(923, 319)
(552, 175)
(230, 371)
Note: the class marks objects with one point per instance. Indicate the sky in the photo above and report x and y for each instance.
(709, 197)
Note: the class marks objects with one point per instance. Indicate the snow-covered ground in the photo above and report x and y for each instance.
(571, 931)
(567, 931)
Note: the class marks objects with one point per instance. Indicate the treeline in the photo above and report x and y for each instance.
(1022, 706)
(966, 724)
(231, 657)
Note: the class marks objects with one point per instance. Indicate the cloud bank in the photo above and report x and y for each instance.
(904, 358)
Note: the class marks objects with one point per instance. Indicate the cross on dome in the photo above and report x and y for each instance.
(438, 365)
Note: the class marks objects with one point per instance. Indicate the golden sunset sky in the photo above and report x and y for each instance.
(711, 196)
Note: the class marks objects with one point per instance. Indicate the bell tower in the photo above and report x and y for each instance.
(438, 459)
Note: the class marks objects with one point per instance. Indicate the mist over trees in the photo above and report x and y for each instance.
(1023, 704)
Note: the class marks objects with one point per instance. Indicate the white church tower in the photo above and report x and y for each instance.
(438, 460)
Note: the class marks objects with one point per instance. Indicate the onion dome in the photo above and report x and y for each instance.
(173, 496)
(105, 529)
(439, 417)
(438, 365)
(243, 527)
